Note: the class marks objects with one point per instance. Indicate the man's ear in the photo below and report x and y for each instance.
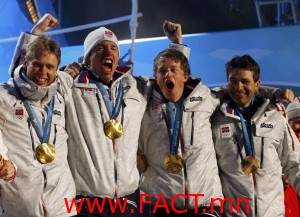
(25, 62)
(257, 83)
(87, 60)
(186, 76)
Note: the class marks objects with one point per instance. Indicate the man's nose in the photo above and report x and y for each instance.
(43, 69)
(238, 85)
(168, 73)
(108, 51)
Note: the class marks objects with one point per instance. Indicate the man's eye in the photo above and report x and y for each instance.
(99, 48)
(245, 82)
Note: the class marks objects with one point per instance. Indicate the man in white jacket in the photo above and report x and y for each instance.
(253, 143)
(176, 139)
(32, 118)
(109, 104)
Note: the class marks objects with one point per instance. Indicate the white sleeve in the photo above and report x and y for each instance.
(3, 152)
(3, 148)
(24, 40)
(184, 49)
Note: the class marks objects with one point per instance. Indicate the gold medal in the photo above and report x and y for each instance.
(173, 163)
(113, 129)
(45, 153)
(249, 165)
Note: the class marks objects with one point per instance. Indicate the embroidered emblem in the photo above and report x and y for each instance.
(19, 113)
(55, 112)
(155, 107)
(264, 125)
(225, 131)
(88, 91)
(108, 34)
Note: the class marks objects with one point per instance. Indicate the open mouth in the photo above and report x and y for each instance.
(169, 84)
(108, 64)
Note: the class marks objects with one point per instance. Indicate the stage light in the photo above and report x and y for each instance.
(30, 10)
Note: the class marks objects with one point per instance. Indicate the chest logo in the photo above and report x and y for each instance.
(198, 98)
(88, 91)
(225, 131)
(264, 125)
(56, 112)
(155, 108)
(19, 113)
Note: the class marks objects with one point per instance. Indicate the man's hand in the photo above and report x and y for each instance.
(7, 171)
(46, 23)
(173, 31)
(285, 182)
(141, 162)
(284, 95)
(73, 69)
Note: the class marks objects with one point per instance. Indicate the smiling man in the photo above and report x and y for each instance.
(32, 118)
(253, 143)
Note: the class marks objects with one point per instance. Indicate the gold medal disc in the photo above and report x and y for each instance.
(249, 165)
(113, 129)
(173, 163)
(45, 153)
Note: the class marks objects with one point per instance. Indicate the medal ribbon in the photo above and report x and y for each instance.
(248, 147)
(42, 133)
(112, 111)
(175, 125)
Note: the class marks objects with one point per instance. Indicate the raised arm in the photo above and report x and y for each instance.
(174, 33)
(46, 23)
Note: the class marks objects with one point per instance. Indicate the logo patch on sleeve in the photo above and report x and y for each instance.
(225, 131)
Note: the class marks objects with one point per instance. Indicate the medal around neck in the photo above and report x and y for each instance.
(45, 153)
(113, 129)
(249, 165)
(173, 163)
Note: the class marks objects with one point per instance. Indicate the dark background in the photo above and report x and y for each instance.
(196, 16)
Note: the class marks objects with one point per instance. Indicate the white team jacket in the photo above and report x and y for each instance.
(38, 188)
(199, 154)
(273, 139)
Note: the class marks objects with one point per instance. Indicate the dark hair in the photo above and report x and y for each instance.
(245, 62)
(44, 43)
(175, 55)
